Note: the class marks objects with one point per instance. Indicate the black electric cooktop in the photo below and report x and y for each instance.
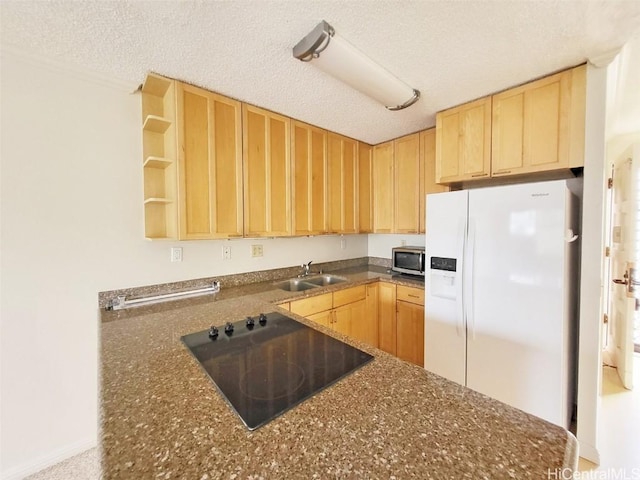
(265, 365)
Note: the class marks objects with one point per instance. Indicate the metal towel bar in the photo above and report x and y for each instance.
(121, 301)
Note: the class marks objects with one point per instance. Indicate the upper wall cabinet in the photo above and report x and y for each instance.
(383, 181)
(406, 171)
(159, 157)
(365, 188)
(342, 163)
(463, 142)
(210, 164)
(427, 172)
(267, 173)
(533, 128)
(309, 150)
(540, 126)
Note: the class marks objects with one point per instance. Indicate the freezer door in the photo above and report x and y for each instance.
(516, 334)
(444, 329)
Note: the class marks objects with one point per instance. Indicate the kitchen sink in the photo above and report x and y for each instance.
(305, 283)
(296, 285)
(325, 280)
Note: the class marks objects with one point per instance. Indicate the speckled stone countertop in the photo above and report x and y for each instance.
(162, 417)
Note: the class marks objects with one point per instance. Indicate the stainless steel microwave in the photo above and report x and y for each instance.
(408, 260)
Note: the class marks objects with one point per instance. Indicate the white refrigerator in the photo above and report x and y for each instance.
(502, 292)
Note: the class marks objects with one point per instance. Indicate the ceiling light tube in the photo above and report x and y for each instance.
(334, 55)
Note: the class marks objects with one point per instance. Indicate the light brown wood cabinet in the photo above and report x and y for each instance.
(365, 328)
(160, 165)
(463, 142)
(210, 164)
(309, 156)
(406, 170)
(387, 317)
(427, 173)
(540, 126)
(383, 194)
(365, 188)
(342, 310)
(410, 324)
(267, 173)
(342, 163)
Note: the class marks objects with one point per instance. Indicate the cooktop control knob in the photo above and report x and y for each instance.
(213, 332)
(250, 323)
(228, 328)
(262, 318)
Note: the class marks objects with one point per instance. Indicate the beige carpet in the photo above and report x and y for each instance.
(85, 466)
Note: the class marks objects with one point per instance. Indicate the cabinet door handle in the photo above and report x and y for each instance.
(480, 175)
(502, 172)
(414, 296)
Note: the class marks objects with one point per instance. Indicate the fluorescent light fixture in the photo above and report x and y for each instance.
(334, 55)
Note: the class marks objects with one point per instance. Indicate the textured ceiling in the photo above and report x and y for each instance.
(452, 51)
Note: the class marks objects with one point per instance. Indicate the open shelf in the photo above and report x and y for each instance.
(154, 123)
(157, 162)
(155, 85)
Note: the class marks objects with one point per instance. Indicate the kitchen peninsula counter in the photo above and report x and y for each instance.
(163, 418)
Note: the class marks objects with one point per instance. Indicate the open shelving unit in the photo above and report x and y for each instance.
(159, 157)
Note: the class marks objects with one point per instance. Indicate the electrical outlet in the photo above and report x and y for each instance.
(176, 254)
(403, 243)
(343, 243)
(256, 250)
(226, 252)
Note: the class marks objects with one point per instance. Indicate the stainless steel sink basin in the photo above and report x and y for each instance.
(305, 283)
(324, 280)
(295, 285)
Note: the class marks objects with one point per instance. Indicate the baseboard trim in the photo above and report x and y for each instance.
(48, 460)
(589, 452)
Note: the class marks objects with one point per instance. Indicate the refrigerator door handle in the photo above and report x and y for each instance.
(460, 294)
(468, 276)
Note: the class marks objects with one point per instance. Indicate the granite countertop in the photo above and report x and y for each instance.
(163, 418)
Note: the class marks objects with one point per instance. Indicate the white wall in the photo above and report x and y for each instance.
(71, 226)
(380, 245)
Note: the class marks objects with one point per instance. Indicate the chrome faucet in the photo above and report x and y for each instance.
(306, 267)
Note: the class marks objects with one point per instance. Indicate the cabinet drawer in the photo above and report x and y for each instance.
(410, 294)
(312, 305)
(349, 295)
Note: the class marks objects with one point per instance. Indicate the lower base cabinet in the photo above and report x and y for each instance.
(410, 332)
(387, 317)
(381, 314)
(410, 324)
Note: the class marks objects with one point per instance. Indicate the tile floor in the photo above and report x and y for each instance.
(619, 428)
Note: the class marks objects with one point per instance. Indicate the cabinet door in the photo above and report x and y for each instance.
(323, 318)
(365, 188)
(383, 188)
(387, 317)
(344, 317)
(267, 178)
(309, 150)
(406, 171)
(410, 332)
(210, 164)
(342, 161)
(365, 327)
(534, 127)
(427, 172)
(463, 142)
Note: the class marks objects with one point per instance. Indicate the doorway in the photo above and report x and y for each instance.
(622, 319)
